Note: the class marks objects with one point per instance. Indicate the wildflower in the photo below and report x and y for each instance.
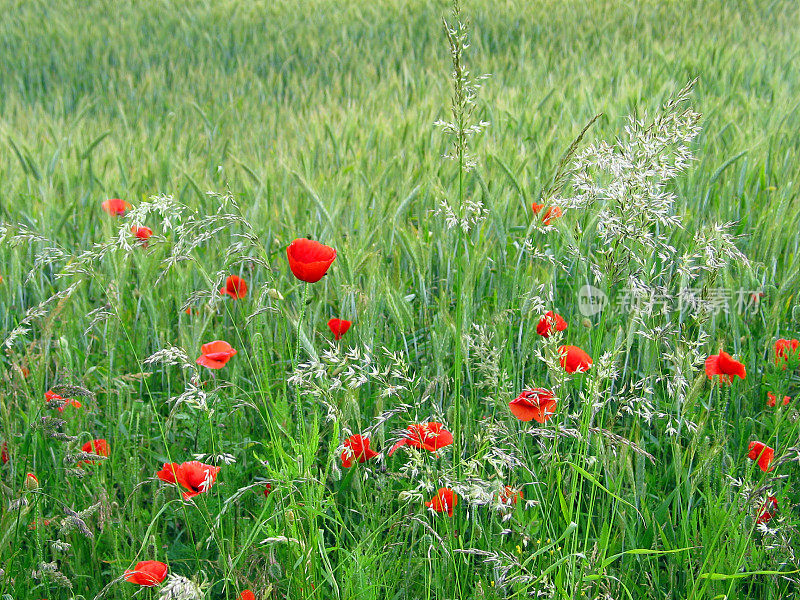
(51, 395)
(772, 400)
(268, 490)
(147, 573)
(195, 476)
(338, 327)
(4, 453)
(215, 354)
(550, 214)
(309, 260)
(35, 524)
(574, 360)
(786, 351)
(538, 403)
(767, 510)
(548, 322)
(356, 447)
(235, 287)
(762, 453)
(510, 495)
(444, 500)
(247, 595)
(724, 365)
(116, 207)
(99, 447)
(31, 482)
(428, 436)
(142, 232)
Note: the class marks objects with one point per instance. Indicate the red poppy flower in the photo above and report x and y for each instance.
(427, 436)
(510, 495)
(215, 354)
(356, 447)
(724, 366)
(4, 453)
(548, 321)
(786, 351)
(538, 403)
(247, 595)
(195, 476)
(309, 260)
(574, 360)
(51, 395)
(444, 500)
(772, 400)
(99, 447)
(762, 453)
(550, 214)
(147, 573)
(35, 524)
(338, 327)
(142, 232)
(768, 510)
(235, 287)
(115, 207)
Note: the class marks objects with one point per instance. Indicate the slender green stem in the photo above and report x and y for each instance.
(296, 360)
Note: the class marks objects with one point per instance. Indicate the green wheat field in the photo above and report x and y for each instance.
(571, 368)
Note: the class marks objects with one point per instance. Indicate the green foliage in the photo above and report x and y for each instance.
(316, 119)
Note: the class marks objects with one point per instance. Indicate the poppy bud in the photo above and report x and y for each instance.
(31, 483)
(274, 294)
(586, 323)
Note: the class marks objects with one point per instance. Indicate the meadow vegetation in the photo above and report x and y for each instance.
(520, 444)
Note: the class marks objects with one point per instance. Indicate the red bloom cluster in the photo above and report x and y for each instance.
(309, 260)
(772, 401)
(768, 510)
(724, 366)
(235, 287)
(445, 500)
(194, 476)
(116, 207)
(574, 360)
(143, 233)
(356, 448)
(550, 321)
(338, 327)
(552, 213)
(147, 573)
(51, 395)
(430, 436)
(510, 495)
(216, 354)
(787, 352)
(99, 447)
(537, 404)
(763, 454)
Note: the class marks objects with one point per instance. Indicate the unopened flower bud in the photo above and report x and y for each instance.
(31, 483)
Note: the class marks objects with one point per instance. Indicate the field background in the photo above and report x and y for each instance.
(318, 117)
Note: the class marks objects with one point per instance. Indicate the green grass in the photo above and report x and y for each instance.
(317, 117)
